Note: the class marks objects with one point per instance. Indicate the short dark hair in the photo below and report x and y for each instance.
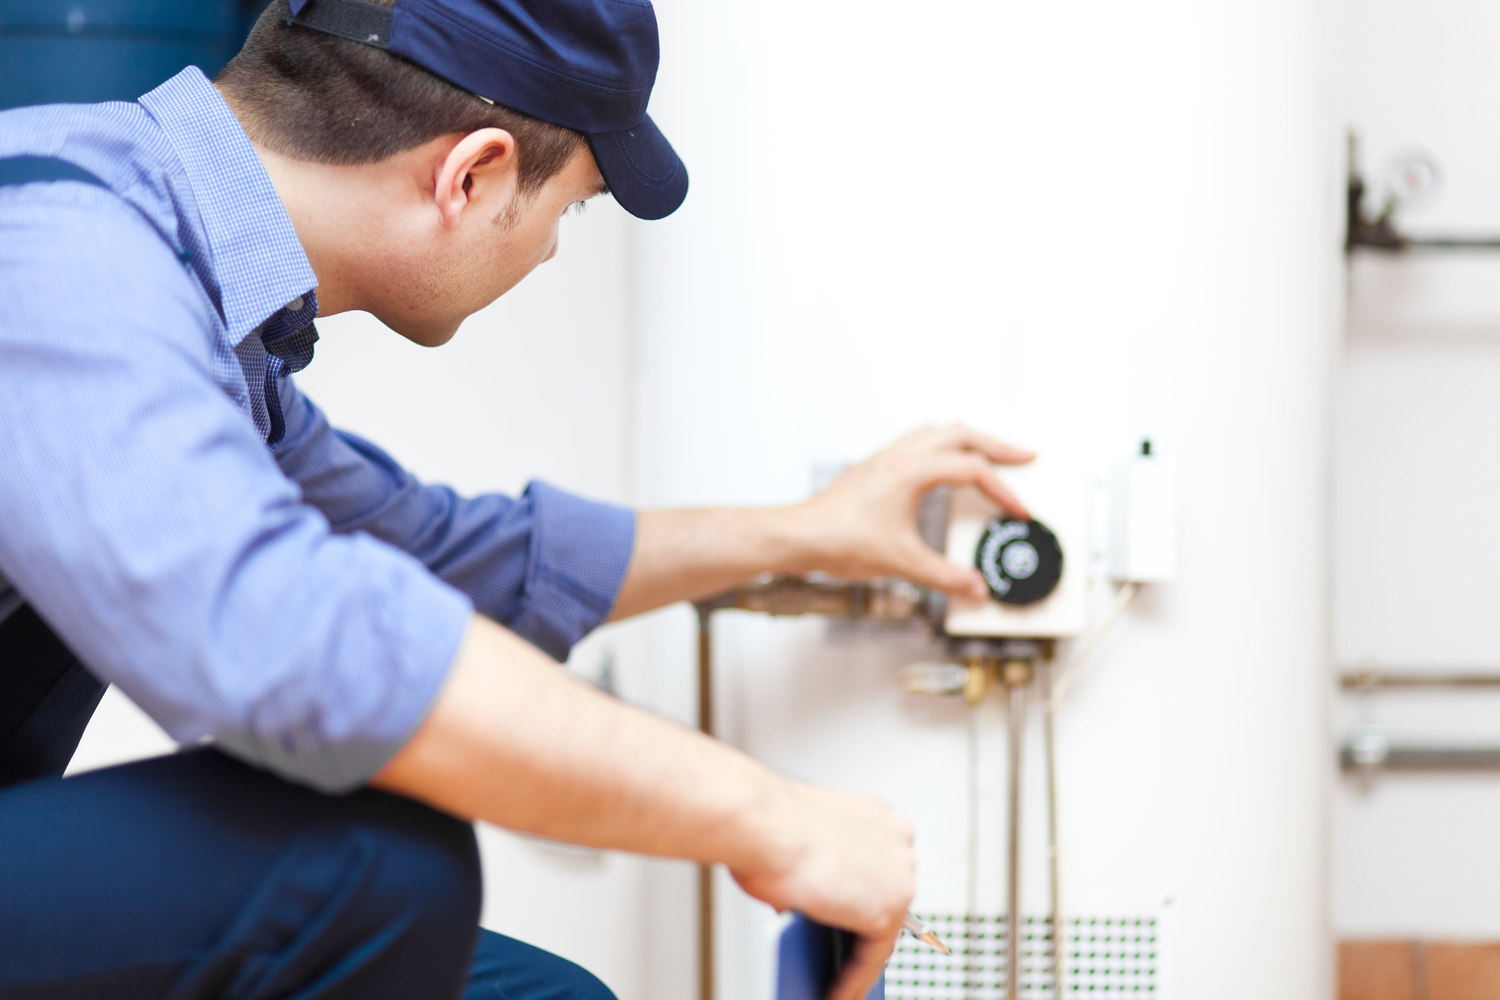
(312, 96)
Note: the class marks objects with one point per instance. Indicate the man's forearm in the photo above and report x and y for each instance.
(516, 742)
(682, 555)
(862, 526)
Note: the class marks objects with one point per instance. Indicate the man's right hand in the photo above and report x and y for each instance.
(515, 741)
(844, 860)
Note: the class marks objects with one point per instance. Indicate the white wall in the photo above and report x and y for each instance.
(1418, 477)
(1072, 225)
(535, 386)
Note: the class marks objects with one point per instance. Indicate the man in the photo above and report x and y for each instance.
(367, 657)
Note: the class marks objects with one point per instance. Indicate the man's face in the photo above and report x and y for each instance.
(439, 286)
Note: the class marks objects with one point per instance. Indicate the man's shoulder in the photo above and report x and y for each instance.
(116, 141)
(101, 138)
(75, 256)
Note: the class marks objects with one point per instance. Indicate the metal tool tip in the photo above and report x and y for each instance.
(936, 942)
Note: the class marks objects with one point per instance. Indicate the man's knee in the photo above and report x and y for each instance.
(260, 888)
(421, 867)
(388, 891)
(506, 967)
(574, 982)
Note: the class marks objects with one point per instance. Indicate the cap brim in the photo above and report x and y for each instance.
(642, 170)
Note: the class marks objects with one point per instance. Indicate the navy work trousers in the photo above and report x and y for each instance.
(193, 876)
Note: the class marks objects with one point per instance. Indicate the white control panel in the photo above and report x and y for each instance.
(1031, 596)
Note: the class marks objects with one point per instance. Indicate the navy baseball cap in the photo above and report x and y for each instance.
(587, 65)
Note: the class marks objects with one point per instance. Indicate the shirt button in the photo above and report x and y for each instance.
(294, 305)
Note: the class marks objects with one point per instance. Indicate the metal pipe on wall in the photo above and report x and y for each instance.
(1370, 752)
(1054, 860)
(705, 872)
(1351, 759)
(1015, 676)
(1374, 680)
(1014, 668)
(885, 600)
(1015, 705)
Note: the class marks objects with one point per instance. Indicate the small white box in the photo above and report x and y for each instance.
(1143, 520)
(1057, 497)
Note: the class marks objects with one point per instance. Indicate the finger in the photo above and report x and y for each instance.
(991, 486)
(921, 436)
(865, 964)
(971, 470)
(933, 569)
(965, 438)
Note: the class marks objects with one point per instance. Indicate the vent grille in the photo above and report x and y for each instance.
(1113, 956)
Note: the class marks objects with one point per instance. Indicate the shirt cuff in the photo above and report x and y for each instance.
(580, 550)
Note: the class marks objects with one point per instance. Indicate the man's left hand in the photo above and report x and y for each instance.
(864, 525)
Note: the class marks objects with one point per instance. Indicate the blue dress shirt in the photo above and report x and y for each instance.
(185, 519)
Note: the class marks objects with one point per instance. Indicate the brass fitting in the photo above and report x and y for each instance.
(1017, 672)
(978, 672)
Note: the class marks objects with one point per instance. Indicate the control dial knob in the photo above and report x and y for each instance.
(1021, 560)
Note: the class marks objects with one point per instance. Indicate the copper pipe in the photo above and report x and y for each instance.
(1372, 680)
(705, 872)
(1054, 861)
(887, 600)
(1015, 675)
(1015, 703)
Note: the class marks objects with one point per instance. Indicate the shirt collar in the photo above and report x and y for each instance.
(258, 260)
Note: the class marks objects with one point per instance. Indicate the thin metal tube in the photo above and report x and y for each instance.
(1371, 680)
(705, 872)
(1053, 860)
(1091, 643)
(971, 883)
(1425, 759)
(883, 600)
(1015, 703)
(1450, 243)
(971, 886)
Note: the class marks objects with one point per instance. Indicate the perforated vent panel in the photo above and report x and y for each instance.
(1111, 956)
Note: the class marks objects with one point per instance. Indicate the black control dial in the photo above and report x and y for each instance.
(1021, 560)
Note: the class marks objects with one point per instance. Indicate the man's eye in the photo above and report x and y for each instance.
(577, 207)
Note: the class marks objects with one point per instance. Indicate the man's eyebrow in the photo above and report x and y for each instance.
(603, 188)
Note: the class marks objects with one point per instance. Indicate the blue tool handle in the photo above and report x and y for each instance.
(810, 956)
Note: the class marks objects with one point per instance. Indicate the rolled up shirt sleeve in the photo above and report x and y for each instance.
(547, 564)
(143, 517)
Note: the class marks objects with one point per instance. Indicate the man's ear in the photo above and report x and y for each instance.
(481, 166)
